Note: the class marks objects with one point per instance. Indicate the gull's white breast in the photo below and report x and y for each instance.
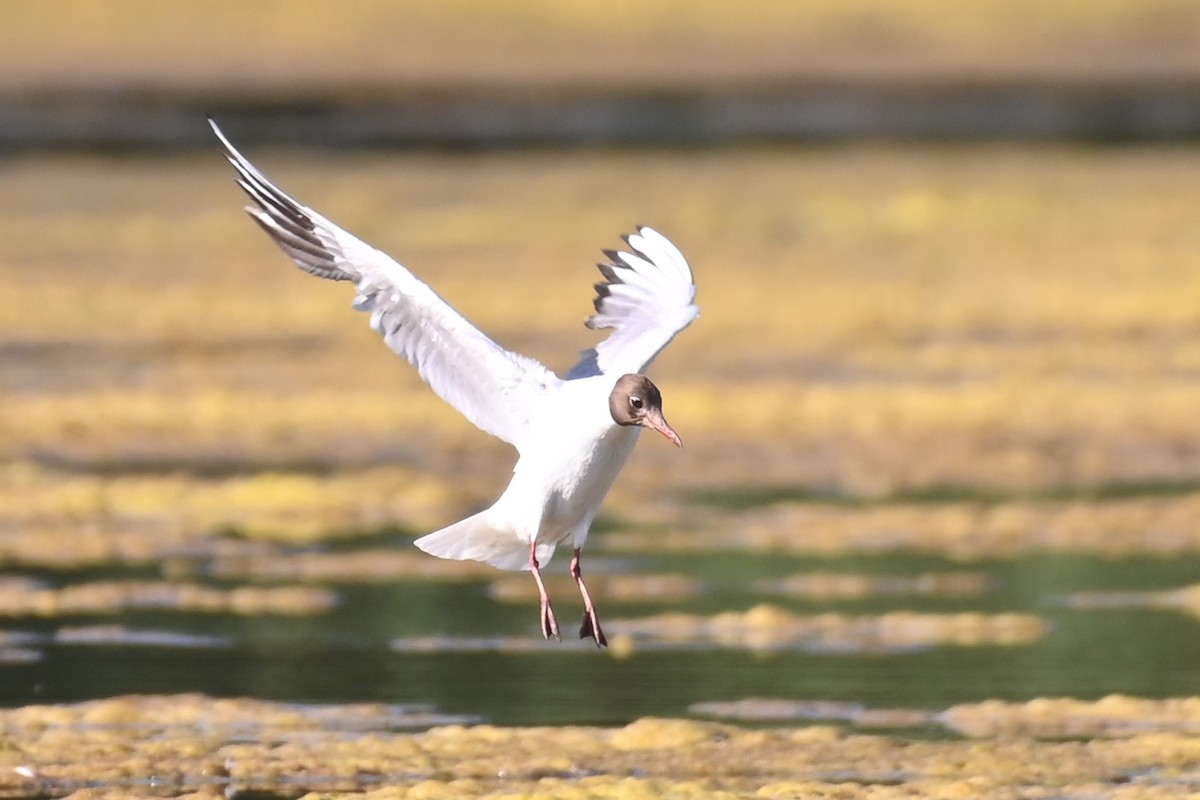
(568, 467)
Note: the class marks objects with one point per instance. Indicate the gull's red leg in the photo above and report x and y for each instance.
(591, 623)
(549, 623)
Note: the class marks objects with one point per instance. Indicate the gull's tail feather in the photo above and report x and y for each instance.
(473, 539)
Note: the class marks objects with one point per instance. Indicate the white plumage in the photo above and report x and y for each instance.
(573, 435)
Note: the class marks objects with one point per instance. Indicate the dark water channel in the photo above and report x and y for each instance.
(363, 649)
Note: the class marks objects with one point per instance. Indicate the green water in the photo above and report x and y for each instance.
(347, 654)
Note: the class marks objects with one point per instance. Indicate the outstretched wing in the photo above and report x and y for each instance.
(494, 388)
(646, 299)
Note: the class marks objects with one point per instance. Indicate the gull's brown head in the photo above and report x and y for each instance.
(637, 401)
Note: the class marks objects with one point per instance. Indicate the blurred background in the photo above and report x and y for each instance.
(134, 74)
(940, 406)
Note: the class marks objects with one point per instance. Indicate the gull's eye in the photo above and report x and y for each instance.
(635, 401)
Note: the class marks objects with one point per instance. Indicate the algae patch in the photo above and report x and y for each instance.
(26, 598)
(169, 745)
(767, 627)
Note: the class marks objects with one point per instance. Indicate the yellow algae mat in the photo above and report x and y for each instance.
(994, 346)
(156, 746)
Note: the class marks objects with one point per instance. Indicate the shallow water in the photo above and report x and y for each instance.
(451, 647)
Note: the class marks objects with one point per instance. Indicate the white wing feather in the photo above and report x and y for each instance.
(646, 300)
(494, 388)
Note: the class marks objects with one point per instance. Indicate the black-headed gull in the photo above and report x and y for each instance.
(573, 435)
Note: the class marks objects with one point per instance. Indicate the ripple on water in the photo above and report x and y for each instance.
(763, 709)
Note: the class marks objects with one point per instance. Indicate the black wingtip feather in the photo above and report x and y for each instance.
(270, 197)
(613, 255)
(296, 240)
(609, 271)
(602, 292)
